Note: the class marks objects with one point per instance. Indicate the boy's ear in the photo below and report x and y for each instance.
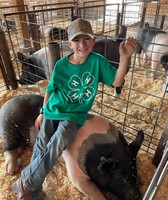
(94, 40)
(69, 44)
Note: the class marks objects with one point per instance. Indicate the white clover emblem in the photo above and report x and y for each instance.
(81, 88)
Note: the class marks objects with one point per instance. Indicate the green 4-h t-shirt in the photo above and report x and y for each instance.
(73, 87)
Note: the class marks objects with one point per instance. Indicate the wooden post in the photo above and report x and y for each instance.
(162, 21)
(6, 63)
(34, 31)
(117, 24)
(143, 16)
(122, 12)
(52, 56)
(23, 23)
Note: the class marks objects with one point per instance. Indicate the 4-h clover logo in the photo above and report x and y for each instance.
(81, 88)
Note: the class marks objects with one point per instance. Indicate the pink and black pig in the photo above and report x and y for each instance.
(99, 159)
(38, 65)
(154, 43)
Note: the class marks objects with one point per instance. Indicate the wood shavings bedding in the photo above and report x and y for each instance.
(57, 185)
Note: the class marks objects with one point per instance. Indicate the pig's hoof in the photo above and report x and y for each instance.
(12, 167)
(153, 75)
(143, 62)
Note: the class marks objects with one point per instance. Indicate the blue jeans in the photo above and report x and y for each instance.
(54, 137)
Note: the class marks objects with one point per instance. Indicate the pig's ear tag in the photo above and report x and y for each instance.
(106, 165)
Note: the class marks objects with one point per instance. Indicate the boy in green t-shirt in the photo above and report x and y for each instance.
(68, 99)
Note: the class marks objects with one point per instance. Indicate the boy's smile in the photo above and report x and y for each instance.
(82, 45)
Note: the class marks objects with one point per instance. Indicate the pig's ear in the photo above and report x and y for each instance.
(21, 57)
(106, 165)
(122, 139)
(135, 145)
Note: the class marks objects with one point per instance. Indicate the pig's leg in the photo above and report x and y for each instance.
(154, 64)
(137, 60)
(138, 55)
(88, 188)
(81, 180)
(165, 85)
(144, 59)
(11, 160)
(13, 148)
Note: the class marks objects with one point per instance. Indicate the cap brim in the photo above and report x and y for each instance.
(80, 33)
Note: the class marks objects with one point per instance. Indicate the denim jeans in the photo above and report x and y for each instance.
(54, 137)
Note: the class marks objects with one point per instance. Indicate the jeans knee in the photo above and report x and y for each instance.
(68, 130)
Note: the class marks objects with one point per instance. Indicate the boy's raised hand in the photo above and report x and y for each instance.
(127, 47)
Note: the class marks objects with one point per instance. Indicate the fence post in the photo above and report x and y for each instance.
(123, 31)
(34, 31)
(6, 64)
(53, 55)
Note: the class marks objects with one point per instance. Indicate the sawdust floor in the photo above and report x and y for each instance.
(57, 185)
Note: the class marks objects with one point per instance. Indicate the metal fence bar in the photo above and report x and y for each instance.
(158, 177)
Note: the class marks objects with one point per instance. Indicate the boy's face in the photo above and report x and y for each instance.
(82, 45)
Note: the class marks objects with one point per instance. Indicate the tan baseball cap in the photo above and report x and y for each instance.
(79, 27)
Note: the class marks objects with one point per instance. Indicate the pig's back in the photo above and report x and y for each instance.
(91, 133)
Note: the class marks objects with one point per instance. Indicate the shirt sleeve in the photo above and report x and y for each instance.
(108, 73)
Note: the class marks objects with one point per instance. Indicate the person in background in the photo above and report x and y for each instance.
(68, 99)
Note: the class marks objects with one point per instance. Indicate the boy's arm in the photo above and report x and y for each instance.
(39, 119)
(46, 97)
(126, 49)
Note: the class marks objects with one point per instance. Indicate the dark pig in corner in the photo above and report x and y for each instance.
(17, 130)
(39, 65)
(99, 159)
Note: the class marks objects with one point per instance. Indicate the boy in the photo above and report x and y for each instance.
(69, 97)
